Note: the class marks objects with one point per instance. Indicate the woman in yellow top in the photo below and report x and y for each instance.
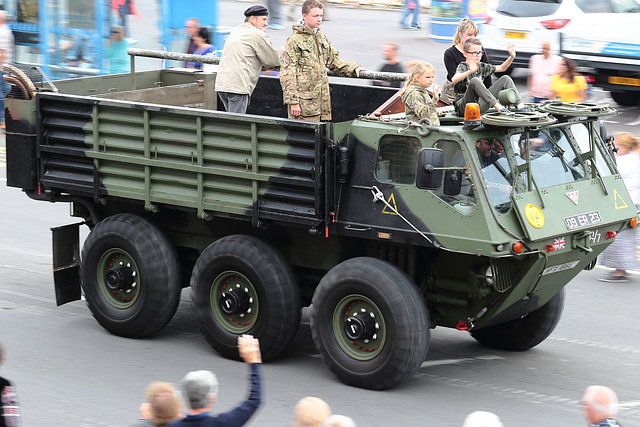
(568, 85)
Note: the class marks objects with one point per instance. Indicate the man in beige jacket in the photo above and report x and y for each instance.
(247, 49)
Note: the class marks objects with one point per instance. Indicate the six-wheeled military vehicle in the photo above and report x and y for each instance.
(386, 228)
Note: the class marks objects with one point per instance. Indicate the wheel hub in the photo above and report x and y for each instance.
(360, 327)
(119, 278)
(234, 302)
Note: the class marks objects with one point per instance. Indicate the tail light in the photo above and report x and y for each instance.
(590, 79)
(555, 24)
(487, 19)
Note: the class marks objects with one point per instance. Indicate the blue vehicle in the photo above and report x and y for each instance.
(68, 38)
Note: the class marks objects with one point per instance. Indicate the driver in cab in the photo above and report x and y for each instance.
(486, 154)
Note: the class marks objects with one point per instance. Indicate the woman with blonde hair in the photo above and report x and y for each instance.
(454, 55)
(621, 255)
(418, 104)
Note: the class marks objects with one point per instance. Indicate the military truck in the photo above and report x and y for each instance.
(385, 228)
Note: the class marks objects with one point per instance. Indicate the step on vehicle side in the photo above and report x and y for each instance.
(387, 228)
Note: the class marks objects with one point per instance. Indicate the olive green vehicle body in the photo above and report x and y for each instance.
(318, 192)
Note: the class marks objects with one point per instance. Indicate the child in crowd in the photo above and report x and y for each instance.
(468, 84)
(418, 104)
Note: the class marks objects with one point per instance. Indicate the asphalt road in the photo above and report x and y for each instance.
(70, 372)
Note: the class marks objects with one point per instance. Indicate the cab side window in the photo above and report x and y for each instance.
(397, 159)
(454, 158)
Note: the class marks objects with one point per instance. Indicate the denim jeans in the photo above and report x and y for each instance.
(406, 12)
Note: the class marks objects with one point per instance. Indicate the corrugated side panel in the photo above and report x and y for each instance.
(62, 147)
(209, 161)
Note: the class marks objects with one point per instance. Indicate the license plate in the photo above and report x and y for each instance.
(582, 220)
(561, 267)
(515, 35)
(624, 81)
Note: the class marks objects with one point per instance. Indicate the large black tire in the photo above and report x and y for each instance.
(627, 99)
(242, 285)
(525, 332)
(130, 276)
(370, 323)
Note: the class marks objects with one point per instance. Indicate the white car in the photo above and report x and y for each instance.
(528, 23)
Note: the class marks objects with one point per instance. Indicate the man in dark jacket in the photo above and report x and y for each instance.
(200, 390)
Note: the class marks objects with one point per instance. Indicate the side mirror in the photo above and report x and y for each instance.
(429, 170)
(452, 182)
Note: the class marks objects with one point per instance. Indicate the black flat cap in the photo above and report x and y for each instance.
(257, 10)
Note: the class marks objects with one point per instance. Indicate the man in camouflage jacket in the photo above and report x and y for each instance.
(303, 71)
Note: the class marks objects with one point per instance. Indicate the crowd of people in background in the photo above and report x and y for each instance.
(163, 407)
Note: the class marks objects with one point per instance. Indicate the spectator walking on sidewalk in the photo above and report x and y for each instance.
(411, 7)
(621, 255)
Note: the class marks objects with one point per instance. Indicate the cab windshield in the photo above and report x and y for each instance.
(556, 156)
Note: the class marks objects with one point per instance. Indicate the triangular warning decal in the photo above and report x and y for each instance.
(392, 202)
(620, 203)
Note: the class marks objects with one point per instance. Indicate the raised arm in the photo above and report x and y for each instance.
(512, 54)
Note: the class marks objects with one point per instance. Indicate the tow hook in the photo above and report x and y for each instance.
(469, 324)
(581, 241)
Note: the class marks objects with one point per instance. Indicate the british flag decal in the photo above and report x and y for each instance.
(557, 244)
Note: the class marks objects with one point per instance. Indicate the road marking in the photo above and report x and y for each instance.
(592, 344)
(634, 123)
(488, 357)
(3, 157)
(531, 396)
(628, 404)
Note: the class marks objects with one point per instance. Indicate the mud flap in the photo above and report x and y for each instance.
(66, 262)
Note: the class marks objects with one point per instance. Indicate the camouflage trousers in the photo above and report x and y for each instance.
(324, 115)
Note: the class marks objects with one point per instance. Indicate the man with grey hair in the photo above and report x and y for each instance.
(200, 391)
(482, 419)
(600, 406)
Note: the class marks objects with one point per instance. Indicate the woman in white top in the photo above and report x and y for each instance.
(621, 255)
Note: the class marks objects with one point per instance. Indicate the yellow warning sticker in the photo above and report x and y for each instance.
(534, 215)
(392, 202)
(620, 203)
